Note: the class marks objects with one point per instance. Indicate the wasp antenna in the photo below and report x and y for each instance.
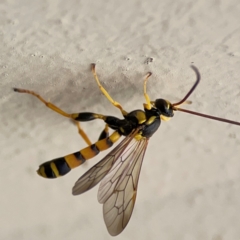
(208, 116)
(149, 74)
(20, 90)
(93, 65)
(193, 87)
(16, 89)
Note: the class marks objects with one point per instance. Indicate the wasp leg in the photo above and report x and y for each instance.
(61, 166)
(104, 133)
(56, 109)
(112, 122)
(48, 104)
(104, 91)
(83, 134)
(147, 105)
(82, 117)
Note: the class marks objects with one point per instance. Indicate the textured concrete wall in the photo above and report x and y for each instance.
(190, 181)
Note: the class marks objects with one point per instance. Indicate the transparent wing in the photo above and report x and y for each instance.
(95, 174)
(118, 189)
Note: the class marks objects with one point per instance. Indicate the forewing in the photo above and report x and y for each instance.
(95, 174)
(118, 189)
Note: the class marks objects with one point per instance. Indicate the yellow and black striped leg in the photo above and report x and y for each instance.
(112, 122)
(104, 91)
(82, 117)
(48, 104)
(58, 110)
(61, 166)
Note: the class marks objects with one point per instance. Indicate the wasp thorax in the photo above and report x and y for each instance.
(165, 107)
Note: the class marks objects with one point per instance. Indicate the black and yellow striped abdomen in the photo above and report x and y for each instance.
(60, 166)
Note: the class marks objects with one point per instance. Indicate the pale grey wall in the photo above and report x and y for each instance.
(189, 185)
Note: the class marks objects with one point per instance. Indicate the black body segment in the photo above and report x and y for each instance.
(151, 127)
(114, 122)
(137, 117)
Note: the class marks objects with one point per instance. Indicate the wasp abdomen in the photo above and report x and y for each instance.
(60, 166)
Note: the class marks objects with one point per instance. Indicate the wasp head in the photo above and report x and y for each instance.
(165, 108)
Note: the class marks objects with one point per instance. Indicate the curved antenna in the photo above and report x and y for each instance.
(197, 113)
(193, 87)
(207, 116)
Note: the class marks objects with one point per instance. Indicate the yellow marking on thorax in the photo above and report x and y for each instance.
(150, 120)
(139, 136)
(141, 117)
(164, 118)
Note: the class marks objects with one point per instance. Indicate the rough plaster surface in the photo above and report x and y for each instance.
(190, 181)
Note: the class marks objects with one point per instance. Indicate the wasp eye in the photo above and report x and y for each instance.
(165, 107)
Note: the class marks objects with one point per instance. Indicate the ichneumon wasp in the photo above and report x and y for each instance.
(119, 170)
